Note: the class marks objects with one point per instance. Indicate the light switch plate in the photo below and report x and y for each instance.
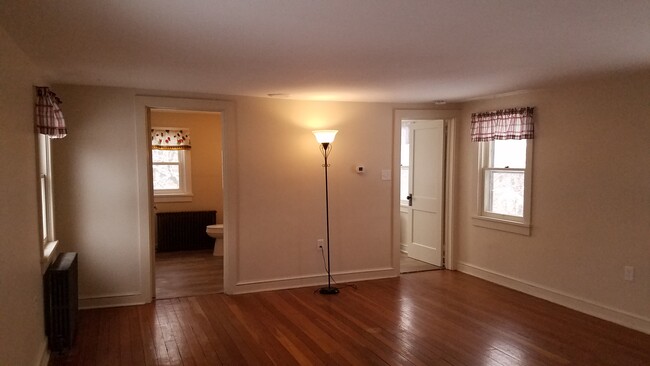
(385, 174)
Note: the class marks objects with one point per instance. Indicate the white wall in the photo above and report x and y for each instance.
(589, 210)
(282, 189)
(590, 204)
(95, 180)
(280, 207)
(22, 334)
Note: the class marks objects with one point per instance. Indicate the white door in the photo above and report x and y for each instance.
(426, 190)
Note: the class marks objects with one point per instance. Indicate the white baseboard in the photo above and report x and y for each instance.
(313, 280)
(109, 301)
(620, 317)
(242, 287)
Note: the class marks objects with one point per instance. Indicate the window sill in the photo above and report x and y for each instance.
(502, 225)
(185, 197)
(49, 254)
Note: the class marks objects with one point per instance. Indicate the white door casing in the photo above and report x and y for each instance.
(427, 190)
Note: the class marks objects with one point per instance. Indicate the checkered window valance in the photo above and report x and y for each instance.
(48, 115)
(505, 124)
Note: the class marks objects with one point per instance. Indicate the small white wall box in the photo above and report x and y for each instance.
(360, 169)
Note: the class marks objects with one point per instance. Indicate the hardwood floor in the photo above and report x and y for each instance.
(425, 318)
(189, 273)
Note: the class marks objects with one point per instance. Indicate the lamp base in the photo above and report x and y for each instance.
(328, 291)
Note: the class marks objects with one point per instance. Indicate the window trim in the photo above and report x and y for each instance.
(184, 193)
(47, 232)
(494, 221)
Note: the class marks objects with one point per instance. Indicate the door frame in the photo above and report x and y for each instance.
(143, 105)
(451, 123)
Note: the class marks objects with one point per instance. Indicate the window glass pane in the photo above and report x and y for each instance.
(504, 192)
(165, 156)
(509, 153)
(405, 145)
(404, 183)
(166, 177)
(44, 199)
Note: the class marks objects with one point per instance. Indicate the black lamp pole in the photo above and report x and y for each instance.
(329, 290)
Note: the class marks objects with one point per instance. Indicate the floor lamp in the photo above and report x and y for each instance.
(325, 139)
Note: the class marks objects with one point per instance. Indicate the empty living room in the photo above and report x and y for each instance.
(325, 182)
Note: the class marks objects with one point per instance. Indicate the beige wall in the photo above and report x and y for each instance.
(590, 204)
(589, 209)
(22, 334)
(96, 192)
(589, 212)
(280, 197)
(205, 130)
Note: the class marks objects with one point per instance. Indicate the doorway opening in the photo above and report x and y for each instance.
(422, 156)
(188, 202)
(424, 144)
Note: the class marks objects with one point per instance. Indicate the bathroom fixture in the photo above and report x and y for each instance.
(216, 232)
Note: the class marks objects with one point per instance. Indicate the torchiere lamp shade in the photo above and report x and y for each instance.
(325, 136)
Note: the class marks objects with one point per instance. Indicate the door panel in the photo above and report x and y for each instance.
(426, 179)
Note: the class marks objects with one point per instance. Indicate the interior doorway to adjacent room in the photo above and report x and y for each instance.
(422, 220)
(188, 195)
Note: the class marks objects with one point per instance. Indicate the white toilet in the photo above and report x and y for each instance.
(216, 232)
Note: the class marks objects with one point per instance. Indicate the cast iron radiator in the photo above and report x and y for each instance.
(184, 230)
(61, 301)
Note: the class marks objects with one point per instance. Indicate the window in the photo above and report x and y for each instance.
(170, 158)
(172, 178)
(505, 140)
(46, 207)
(404, 164)
(504, 184)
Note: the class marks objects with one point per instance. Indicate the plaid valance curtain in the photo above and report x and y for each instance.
(49, 118)
(505, 124)
(168, 139)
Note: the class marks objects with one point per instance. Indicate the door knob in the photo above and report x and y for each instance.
(410, 198)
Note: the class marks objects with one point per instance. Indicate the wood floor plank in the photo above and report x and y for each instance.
(298, 327)
(237, 331)
(124, 333)
(142, 323)
(425, 318)
(91, 337)
(171, 354)
(193, 328)
(218, 333)
(250, 312)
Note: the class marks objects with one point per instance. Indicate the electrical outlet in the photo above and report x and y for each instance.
(628, 273)
(320, 244)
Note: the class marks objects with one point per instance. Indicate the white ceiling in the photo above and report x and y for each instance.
(348, 50)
